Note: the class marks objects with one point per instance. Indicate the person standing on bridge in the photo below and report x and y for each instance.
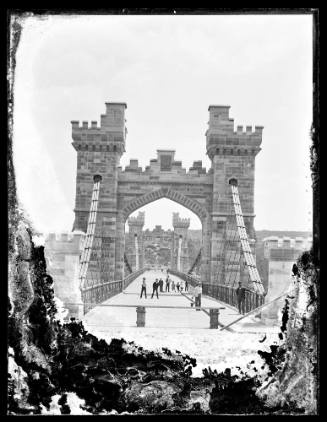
(155, 287)
(161, 284)
(198, 295)
(240, 293)
(173, 285)
(186, 286)
(178, 285)
(143, 288)
(167, 283)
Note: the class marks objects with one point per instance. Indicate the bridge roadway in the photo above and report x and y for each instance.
(186, 330)
(157, 317)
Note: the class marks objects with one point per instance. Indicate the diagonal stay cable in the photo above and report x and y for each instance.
(250, 262)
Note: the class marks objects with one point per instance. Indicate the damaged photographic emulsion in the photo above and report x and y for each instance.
(163, 252)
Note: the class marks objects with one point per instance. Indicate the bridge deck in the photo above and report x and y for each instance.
(171, 310)
(178, 329)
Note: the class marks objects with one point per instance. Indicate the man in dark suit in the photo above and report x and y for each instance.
(161, 284)
(155, 287)
(240, 293)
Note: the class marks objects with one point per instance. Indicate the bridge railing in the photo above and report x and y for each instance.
(93, 295)
(131, 277)
(226, 294)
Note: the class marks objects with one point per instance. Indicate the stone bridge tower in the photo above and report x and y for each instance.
(232, 154)
(135, 235)
(99, 150)
(181, 226)
(207, 194)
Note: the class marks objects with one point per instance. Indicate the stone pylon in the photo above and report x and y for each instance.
(179, 257)
(232, 155)
(134, 241)
(99, 150)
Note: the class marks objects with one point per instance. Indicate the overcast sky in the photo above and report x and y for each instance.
(168, 69)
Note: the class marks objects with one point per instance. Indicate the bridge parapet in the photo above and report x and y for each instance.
(227, 294)
(94, 295)
(223, 293)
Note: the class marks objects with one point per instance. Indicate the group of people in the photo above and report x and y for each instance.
(179, 286)
(197, 292)
(158, 285)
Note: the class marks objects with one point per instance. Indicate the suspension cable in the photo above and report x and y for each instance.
(87, 247)
(247, 252)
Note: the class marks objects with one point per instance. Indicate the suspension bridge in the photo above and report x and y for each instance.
(118, 295)
(222, 198)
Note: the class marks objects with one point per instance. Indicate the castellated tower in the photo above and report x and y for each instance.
(180, 226)
(135, 234)
(232, 153)
(99, 149)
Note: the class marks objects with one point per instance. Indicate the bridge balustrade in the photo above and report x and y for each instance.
(93, 295)
(226, 294)
(131, 277)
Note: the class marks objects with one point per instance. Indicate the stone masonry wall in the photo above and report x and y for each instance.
(281, 254)
(62, 252)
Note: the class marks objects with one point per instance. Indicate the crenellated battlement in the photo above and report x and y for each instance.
(164, 164)
(180, 222)
(85, 125)
(223, 139)
(111, 131)
(133, 166)
(248, 130)
(138, 220)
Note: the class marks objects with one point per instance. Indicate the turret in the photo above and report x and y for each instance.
(223, 140)
(136, 224)
(109, 136)
(180, 223)
(99, 149)
(232, 154)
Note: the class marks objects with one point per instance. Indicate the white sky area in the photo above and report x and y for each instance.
(168, 69)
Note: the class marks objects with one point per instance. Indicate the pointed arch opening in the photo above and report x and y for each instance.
(168, 193)
(174, 246)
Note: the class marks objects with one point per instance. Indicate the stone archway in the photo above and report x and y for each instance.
(168, 193)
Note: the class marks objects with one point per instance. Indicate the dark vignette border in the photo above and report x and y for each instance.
(13, 30)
